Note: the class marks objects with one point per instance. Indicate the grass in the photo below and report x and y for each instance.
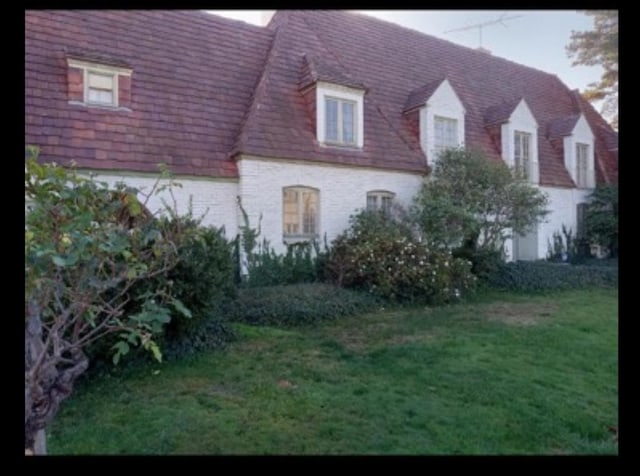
(508, 374)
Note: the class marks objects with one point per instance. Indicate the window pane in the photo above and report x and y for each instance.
(445, 133)
(291, 223)
(101, 81)
(309, 212)
(386, 203)
(372, 202)
(348, 123)
(100, 96)
(331, 119)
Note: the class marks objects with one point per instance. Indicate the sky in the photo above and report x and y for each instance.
(535, 38)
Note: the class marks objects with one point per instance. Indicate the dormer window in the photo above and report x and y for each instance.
(522, 153)
(101, 88)
(95, 84)
(340, 121)
(446, 134)
(582, 165)
(340, 112)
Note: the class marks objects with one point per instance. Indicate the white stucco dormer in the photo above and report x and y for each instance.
(441, 117)
(579, 154)
(519, 136)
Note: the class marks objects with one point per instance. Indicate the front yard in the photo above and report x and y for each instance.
(508, 374)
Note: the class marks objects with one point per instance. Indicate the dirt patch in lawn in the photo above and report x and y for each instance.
(519, 314)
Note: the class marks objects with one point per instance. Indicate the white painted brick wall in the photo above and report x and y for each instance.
(343, 190)
(563, 204)
(216, 195)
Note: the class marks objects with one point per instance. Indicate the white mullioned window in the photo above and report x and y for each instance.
(100, 82)
(101, 88)
(340, 118)
(445, 134)
(582, 165)
(522, 152)
(300, 212)
(380, 200)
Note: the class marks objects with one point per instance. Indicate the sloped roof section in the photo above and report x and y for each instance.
(207, 89)
(315, 69)
(500, 113)
(562, 126)
(279, 125)
(193, 78)
(419, 96)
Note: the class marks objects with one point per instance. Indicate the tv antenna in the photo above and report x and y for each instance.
(500, 20)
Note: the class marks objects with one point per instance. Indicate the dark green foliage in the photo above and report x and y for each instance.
(298, 304)
(602, 217)
(541, 276)
(202, 280)
(301, 264)
(470, 196)
(484, 261)
(378, 254)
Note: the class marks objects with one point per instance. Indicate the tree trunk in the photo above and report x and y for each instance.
(47, 381)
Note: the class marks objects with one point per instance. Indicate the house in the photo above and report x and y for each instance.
(308, 119)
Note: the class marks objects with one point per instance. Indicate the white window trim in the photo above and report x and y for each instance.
(525, 169)
(326, 90)
(585, 183)
(436, 118)
(581, 134)
(521, 120)
(379, 194)
(90, 67)
(301, 237)
(445, 103)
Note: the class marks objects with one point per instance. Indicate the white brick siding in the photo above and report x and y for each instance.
(216, 195)
(343, 190)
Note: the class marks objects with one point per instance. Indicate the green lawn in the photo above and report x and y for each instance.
(509, 374)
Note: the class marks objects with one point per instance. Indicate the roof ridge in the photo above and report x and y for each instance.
(421, 33)
(258, 92)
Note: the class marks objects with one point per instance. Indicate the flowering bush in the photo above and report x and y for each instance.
(379, 254)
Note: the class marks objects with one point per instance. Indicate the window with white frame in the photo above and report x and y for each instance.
(522, 153)
(380, 200)
(101, 88)
(99, 84)
(340, 119)
(340, 115)
(300, 212)
(445, 134)
(582, 165)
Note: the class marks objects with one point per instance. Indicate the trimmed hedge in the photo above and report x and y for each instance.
(542, 275)
(298, 304)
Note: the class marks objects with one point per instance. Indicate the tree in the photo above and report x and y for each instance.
(473, 201)
(600, 46)
(601, 218)
(86, 246)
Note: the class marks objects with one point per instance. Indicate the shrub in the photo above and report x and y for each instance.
(484, 261)
(302, 263)
(540, 276)
(298, 304)
(202, 280)
(378, 254)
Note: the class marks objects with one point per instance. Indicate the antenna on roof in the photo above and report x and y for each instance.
(500, 20)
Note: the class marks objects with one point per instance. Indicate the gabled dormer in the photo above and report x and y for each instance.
(577, 141)
(518, 130)
(440, 116)
(336, 102)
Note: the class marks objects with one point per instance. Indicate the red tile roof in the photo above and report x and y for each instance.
(419, 96)
(205, 89)
(193, 78)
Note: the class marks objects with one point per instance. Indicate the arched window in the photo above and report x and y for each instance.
(300, 216)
